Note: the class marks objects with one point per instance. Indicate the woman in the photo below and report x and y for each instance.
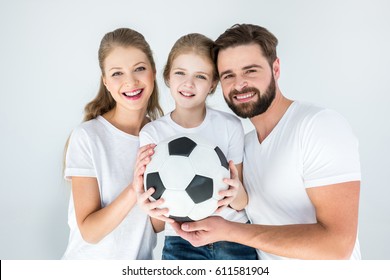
(104, 221)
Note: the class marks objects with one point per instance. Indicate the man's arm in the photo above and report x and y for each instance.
(332, 237)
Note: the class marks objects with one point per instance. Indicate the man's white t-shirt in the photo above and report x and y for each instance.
(220, 128)
(309, 147)
(98, 149)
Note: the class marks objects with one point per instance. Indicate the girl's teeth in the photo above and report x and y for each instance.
(133, 93)
(186, 94)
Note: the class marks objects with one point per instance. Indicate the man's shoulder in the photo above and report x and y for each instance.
(305, 112)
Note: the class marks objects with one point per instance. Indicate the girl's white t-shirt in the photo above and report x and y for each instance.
(220, 128)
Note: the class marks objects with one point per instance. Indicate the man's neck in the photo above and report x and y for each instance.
(266, 122)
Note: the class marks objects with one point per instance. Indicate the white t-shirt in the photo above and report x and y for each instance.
(220, 128)
(309, 147)
(98, 149)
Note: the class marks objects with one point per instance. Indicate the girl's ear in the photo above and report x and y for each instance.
(213, 87)
(104, 81)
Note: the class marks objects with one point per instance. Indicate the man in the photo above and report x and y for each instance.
(301, 163)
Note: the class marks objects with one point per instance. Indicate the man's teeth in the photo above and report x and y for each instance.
(133, 93)
(243, 96)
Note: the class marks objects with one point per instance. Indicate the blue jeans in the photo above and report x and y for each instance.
(177, 248)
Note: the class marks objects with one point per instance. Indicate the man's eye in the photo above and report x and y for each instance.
(227, 76)
(251, 71)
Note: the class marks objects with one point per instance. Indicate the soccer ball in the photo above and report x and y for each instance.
(188, 173)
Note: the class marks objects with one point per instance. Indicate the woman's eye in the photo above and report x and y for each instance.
(179, 73)
(116, 74)
(141, 68)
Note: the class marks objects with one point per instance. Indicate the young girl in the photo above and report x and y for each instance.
(191, 76)
(104, 220)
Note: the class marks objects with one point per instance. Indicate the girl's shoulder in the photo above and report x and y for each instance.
(223, 115)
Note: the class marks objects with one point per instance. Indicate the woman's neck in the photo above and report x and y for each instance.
(129, 122)
(189, 118)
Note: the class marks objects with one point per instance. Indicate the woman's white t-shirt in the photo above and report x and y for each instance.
(98, 149)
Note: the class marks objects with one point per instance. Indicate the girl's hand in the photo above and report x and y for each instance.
(230, 194)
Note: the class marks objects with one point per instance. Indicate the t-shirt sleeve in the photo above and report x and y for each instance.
(148, 135)
(236, 143)
(79, 160)
(330, 151)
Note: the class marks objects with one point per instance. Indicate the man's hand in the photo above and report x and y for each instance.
(206, 231)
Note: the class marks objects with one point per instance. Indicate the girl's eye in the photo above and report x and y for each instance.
(179, 73)
(201, 77)
(141, 68)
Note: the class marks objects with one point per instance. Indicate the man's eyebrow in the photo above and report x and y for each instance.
(243, 68)
(225, 72)
(252, 66)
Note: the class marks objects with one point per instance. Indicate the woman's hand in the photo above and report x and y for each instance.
(143, 197)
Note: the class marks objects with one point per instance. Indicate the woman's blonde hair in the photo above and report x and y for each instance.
(103, 102)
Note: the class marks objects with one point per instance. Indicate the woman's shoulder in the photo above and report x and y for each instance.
(87, 128)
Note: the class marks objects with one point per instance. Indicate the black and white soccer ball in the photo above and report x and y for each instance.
(188, 172)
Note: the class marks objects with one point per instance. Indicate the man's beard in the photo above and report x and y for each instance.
(252, 109)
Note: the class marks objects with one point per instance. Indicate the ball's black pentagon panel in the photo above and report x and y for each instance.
(181, 219)
(200, 189)
(153, 180)
(182, 146)
(222, 158)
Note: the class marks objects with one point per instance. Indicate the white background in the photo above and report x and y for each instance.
(333, 53)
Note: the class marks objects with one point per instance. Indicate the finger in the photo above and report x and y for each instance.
(157, 212)
(139, 172)
(152, 205)
(233, 170)
(145, 148)
(234, 182)
(220, 209)
(145, 195)
(226, 201)
(228, 192)
(177, 228)
(145, 151)
(195, 226)
(161, 214)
